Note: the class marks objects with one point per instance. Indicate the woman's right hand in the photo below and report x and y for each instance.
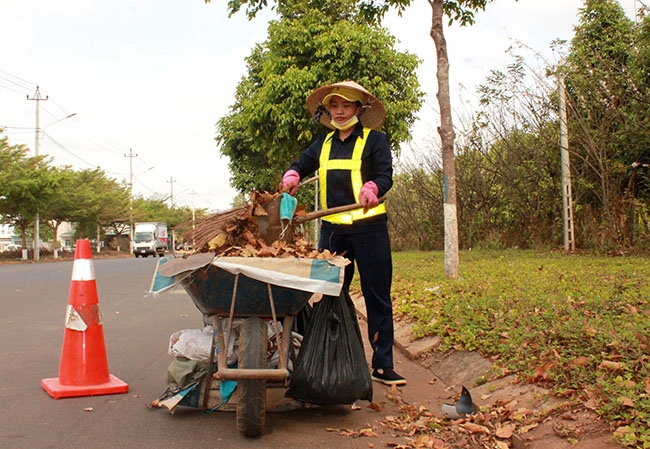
(290, 182)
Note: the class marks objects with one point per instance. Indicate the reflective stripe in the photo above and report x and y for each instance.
(354, 166)
(83, 270)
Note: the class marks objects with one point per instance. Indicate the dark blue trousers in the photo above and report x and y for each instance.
(369, 251)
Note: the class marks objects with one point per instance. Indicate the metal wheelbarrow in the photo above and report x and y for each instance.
(257, 290)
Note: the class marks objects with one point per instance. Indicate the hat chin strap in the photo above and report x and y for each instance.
(352, 121)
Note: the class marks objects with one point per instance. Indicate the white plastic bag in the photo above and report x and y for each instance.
(195, 344)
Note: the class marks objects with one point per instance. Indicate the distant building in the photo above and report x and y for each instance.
(6, 236)
(65, 236)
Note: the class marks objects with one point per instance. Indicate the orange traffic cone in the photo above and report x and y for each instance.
(84, 367)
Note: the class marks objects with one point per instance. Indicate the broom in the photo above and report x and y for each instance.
(235, 222)
(207, 228)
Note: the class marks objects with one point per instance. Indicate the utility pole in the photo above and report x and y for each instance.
(172, 181)
(131, 234)
(193, 221)
(567, 205)
(37, 97)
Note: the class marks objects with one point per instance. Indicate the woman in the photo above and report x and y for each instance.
(355, 166)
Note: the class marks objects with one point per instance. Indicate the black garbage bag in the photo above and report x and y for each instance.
(303, 318)
(332, 366)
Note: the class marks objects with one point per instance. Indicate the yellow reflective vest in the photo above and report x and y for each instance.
(354, 166)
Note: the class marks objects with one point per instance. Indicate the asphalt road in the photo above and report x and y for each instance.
(33, 299)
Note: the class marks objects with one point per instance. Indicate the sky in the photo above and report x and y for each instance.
(136, 87)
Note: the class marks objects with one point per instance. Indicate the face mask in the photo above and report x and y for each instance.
(345, 125)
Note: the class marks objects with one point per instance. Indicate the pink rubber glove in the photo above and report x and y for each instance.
(368, 195)
(290, 182)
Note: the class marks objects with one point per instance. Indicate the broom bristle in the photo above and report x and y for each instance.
(237, 219)
(207, 228)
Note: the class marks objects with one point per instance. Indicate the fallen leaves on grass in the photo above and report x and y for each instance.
(542, 373)
(580, 361)
(626, 402)
(611, 365)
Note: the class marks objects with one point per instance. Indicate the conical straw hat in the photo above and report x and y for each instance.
(374, 112)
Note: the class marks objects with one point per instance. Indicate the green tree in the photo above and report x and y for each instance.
(101, 202)
(268, 126)
(26, 186)
(372, 12)
(637, 134)
(61, 206)
(179, 219)
(156, 209)
(607, 105)
(415, 204)
(462, 11)
(508, 169)
(510, 160)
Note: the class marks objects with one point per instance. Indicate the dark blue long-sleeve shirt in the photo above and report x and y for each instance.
(376, 164)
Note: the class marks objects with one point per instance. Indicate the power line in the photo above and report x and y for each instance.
(98, 147)
(31, 84)
(104, 144)
(24, 130)
(11, 89)
(146, 187)
(116, 148)
(51, 139)
(24, 86)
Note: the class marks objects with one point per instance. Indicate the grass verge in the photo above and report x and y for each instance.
(579, 323)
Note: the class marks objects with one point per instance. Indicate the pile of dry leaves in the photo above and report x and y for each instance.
(253, 230)
(501, 426)
(494, 428)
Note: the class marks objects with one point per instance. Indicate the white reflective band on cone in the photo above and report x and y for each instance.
(83, 270)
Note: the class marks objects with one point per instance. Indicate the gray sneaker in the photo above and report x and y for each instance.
(387, 376)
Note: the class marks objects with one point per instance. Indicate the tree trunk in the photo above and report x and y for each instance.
(447, 135)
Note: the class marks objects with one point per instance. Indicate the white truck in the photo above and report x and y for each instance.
(150, 238)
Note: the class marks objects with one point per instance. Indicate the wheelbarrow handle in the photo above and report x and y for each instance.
(330, 211)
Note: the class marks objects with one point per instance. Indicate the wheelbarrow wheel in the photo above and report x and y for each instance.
(251, 403)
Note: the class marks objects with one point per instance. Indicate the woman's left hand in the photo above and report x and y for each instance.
(368, 196)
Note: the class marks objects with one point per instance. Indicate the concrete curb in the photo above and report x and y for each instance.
(412, 348)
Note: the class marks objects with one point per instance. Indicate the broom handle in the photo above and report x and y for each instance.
(330, 211)
(308, 181)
